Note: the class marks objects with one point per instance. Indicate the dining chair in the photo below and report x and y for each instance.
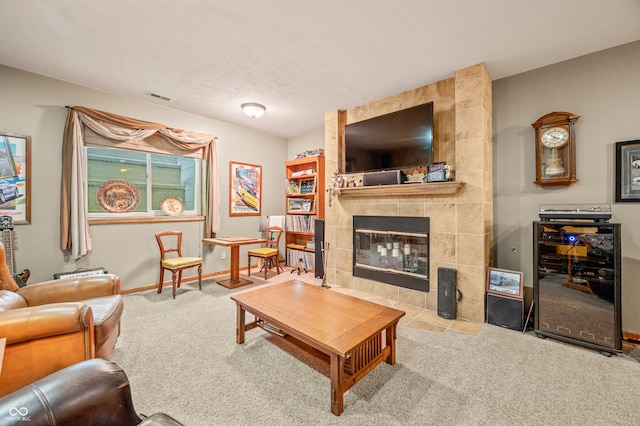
(171, 258)
(268, 253)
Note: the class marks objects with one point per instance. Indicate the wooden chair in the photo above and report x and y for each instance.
(268, 253)
(171, 242)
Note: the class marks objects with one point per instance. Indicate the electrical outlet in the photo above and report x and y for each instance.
(223, 255)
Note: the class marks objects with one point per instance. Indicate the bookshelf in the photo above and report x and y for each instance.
(304, 204)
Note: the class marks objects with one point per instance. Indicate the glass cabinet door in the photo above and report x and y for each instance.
(577, 282)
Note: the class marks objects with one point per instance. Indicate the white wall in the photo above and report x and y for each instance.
(604, 90)
(302, 143)
(34, 105)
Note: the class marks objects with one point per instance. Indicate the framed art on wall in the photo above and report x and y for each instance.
(628, 171)
(505, 282)
(245, 193)
(15, 177)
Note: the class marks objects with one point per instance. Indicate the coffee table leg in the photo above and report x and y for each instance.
(391, 342)
(337, 393)
(239, 324)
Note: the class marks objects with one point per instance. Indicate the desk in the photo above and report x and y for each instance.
(352, 335)
(234, 243)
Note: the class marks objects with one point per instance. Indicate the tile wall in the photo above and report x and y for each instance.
(461, 223)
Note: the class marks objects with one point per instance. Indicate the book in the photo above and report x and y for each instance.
(295, 204)
(303, 172)
(292, 186)
(308, 186)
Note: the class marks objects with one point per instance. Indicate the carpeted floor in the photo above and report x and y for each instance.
(182, 359)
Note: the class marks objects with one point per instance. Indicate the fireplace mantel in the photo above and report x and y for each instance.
(404, 190)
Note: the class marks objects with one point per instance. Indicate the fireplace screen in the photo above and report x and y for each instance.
(393, 250)
(397, 252)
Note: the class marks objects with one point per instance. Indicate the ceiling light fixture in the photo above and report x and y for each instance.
(253, 110)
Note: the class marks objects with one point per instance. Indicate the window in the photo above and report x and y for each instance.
(156, 176)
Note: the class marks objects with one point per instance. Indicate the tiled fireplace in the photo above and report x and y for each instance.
(460, 214)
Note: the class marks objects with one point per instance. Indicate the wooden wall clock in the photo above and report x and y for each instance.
(556, 149)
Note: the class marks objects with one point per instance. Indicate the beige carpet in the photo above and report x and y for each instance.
(182, 359)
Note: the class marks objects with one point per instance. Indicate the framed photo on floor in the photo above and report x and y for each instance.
(628, 171)
(15, 177)
(505, 282)
(245, 192)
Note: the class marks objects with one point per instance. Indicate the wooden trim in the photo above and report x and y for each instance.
(116, 220)
(168, 283)
(404, 190)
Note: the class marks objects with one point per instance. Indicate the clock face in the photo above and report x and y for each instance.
(555, 137)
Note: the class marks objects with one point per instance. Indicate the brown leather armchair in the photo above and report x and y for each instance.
(93, 392)
(53, 324)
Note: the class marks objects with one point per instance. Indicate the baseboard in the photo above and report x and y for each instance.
(170, 284)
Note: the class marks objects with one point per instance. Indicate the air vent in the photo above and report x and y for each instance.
(164, 98)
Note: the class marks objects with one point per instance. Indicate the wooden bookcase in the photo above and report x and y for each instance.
(304, 204)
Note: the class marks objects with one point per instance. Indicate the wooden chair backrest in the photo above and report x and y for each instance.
(169, 242)
(275, 241)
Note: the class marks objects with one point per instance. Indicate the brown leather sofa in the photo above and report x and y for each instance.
(54, 324)
(93, 392)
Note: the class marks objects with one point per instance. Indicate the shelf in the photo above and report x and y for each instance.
(300, 194)
(302, 177)
(305, 194)
(404, 190)
(300, 247)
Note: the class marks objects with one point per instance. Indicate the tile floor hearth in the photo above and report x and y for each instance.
(415, 317)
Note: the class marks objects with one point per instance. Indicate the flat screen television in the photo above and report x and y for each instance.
(395, 141)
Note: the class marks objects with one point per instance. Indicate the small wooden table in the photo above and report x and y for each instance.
(235, 243)
(342, 330)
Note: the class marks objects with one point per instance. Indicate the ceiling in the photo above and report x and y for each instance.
(298, 58)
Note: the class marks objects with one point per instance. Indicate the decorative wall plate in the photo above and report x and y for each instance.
(172, 206)
(118, 196)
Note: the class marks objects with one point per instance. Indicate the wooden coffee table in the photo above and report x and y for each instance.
(351, 334)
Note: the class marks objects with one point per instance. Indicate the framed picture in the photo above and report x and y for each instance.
(628, 171)
(15, 177)
(505, 282)
(245, 194)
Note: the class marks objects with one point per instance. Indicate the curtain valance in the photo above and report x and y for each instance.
(87, 126)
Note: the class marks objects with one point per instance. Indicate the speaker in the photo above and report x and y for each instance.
(504, 311)
(386, 177)
(318, 269)
(447, 306)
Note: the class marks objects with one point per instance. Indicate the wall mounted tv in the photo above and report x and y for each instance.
(398, 140)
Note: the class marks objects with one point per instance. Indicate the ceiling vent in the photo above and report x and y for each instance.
(164, 98)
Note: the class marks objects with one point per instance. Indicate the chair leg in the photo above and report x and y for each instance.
(161, 280)
(200, 277)
(180, 278)
(249, 265)
(173, 277)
